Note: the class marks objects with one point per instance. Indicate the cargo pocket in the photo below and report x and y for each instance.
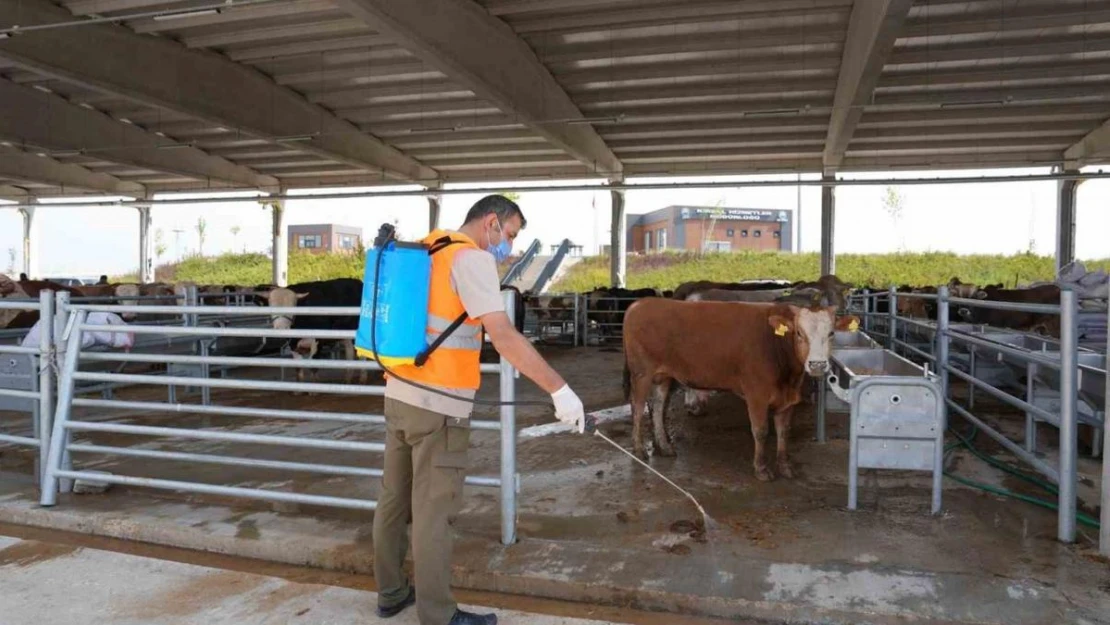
(458, 443)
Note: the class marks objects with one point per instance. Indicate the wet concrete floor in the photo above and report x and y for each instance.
(583, 504)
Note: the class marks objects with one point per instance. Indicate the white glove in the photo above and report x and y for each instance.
(569, 409)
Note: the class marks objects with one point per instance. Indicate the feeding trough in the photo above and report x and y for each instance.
(897, 415)
(848, 367)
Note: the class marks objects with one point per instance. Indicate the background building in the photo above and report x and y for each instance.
(325, 237)
(711, 228)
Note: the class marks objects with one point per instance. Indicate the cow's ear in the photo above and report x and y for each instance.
(301, 296)
(780, 325)
(847, 322)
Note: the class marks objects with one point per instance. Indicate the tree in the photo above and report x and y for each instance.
(235, 230)
(202, 227)
(159, 245)
(893, 203)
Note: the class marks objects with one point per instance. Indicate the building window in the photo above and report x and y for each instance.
(662, 239)
(718, 246)
(743, 233)
(757, 233)
(778, 235)
(647, 240)
(730, 232)
(347, 241)
(309, 241)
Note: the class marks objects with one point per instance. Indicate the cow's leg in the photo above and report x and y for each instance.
(641, 389)
(782, 434)
(757, 414)
(661, 400)
(349, 356)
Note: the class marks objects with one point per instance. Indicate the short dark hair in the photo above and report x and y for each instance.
(499, 205)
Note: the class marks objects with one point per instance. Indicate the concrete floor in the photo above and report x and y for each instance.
(47, 582)
(596, 528)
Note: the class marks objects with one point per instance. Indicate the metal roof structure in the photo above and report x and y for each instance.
(135, 97)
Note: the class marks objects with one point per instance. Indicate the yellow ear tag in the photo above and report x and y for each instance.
(853, 326)
(781, 330)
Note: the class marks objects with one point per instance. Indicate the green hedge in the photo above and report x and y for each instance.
(669, 269)
(665, 270)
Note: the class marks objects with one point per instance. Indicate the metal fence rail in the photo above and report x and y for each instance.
(554, 318)
(59, 470)
(37, 365)
(608, 321)
(944, 340)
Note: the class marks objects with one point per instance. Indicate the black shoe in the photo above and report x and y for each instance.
(394, 610)
(466, 618)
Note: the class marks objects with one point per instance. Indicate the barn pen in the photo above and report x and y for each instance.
(198, 439)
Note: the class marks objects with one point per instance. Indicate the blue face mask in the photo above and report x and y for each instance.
(502, 250)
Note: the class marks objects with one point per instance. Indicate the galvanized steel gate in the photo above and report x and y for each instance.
(60, 473)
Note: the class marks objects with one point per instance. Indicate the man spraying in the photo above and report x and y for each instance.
(428, 429)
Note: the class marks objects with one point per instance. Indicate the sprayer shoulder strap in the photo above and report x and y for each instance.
(441, 243)
(423, 356)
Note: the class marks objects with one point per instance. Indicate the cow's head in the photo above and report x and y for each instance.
(282, 298)
(811, 331)
(127, 295)
(9, 287)
(305, 348)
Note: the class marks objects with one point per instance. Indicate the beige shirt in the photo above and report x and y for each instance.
(474, 279)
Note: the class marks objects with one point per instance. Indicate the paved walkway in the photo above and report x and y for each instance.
(54, 583)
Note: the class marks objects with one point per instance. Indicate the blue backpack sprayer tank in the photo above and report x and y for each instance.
(393, 316)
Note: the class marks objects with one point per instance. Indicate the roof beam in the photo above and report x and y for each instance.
(1092, 148)
(872, 30)
(159, 72)
(12, 193)
(503, 70)
(23, 166)
(48, 122)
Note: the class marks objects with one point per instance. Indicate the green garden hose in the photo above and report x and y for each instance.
(967, 442)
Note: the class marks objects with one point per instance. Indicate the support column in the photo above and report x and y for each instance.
(828, 223)
(1066, 192)
(618, 262)
(280, 245)
(435, 202)
(146, 245)
(30, 253)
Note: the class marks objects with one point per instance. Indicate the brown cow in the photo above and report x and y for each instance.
(1044, 324)
(761, 352)
(686, 289)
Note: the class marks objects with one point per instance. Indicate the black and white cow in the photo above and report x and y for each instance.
(340, 292)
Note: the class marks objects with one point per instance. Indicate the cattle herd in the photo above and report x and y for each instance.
(759, 339)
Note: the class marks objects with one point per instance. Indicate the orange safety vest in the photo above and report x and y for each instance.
(454, 364)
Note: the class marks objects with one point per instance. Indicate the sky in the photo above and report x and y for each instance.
(996, 218)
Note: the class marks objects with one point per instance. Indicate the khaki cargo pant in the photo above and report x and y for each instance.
(425, 465)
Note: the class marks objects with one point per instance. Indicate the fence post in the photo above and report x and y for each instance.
(58, 454)
(1104, 526)
(46, 378)
(943, 344)
(1069, 393)
(892, 315)
(575, 322)
(867, 307)
(508, 441)
(192, 298)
